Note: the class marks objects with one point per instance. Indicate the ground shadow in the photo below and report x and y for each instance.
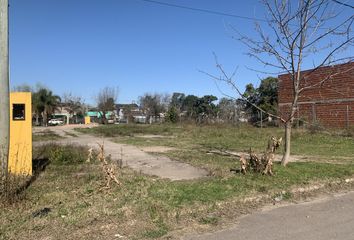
(38, 166)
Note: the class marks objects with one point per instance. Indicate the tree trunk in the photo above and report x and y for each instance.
(103, 118)
(37, 119)
(286, 155)
(45, 119)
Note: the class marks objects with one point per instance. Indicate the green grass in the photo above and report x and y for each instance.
(70, 134)
(46, 135)
(145, 207)
(130, 130)
(62, 154)
(190, 137)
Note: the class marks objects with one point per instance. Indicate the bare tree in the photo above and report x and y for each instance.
(74, 105)
(153, 105)
(295, 33)
(106, 100)
(22, 88)
(230, 110)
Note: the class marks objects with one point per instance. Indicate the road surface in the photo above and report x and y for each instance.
(327, 219)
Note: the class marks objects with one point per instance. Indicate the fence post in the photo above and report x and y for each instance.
(313, 114)
(347, 117)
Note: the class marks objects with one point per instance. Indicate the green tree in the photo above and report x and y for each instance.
(177, 100)
(45, 103)
(268, 95)
(265, 97)
(172, 115)
(188, 106)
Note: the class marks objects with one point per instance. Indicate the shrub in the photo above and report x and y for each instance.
(172, 115)
(315, 127)
(348, 132)
(63, 154)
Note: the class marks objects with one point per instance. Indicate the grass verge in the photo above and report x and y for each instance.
(73, 205)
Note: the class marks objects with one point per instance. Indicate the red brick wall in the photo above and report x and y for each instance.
(331, 103)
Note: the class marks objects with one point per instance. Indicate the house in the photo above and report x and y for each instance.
(96, 116)
(330, 102)
(63, 112)
(130, 113)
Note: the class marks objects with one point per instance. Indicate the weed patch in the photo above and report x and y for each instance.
(46, 135)
(62, 154)
(130, 130)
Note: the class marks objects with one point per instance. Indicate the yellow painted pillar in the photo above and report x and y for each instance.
(20, 152)
(87, 120)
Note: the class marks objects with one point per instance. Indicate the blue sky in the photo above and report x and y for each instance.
(81, 46)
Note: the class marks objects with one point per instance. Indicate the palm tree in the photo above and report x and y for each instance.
(37, 106)
(45, 103)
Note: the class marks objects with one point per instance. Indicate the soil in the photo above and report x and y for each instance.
(157, 149)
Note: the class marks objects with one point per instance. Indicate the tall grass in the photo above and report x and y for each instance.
(12, 188)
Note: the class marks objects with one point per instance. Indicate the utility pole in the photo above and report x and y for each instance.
(4, 88)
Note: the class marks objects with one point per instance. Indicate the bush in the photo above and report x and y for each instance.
(63, 155)
(315, 127)
(172, 115)
(348, 132)
(300, 122)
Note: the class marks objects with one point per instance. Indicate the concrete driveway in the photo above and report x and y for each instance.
(132, 156)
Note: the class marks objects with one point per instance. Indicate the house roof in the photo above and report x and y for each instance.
(98, 114)
(129, 105)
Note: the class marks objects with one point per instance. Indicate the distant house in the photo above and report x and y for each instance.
(330, 103)
(96, 116)
(62, 112)
(130, 113)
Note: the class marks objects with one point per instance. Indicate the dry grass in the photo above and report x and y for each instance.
(144, 207)
(46, 135)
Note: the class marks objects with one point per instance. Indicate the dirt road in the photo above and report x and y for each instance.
(327, 219)
(132, 156)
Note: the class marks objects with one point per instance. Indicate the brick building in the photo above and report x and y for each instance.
(330, 102)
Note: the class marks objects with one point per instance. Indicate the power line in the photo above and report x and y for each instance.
(203, 10)
(344, 4)
(222, 13)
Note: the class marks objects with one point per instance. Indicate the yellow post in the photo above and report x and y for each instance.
(20, 151)
(87, 120)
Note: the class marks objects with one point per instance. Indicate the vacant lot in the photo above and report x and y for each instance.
(144, 207)
(191, 143)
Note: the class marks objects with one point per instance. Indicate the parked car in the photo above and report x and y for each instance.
(110, 121)
(55, 121)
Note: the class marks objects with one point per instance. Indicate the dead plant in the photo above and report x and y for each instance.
(107, 168)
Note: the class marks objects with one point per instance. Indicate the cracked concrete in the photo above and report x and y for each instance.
(132, 156)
